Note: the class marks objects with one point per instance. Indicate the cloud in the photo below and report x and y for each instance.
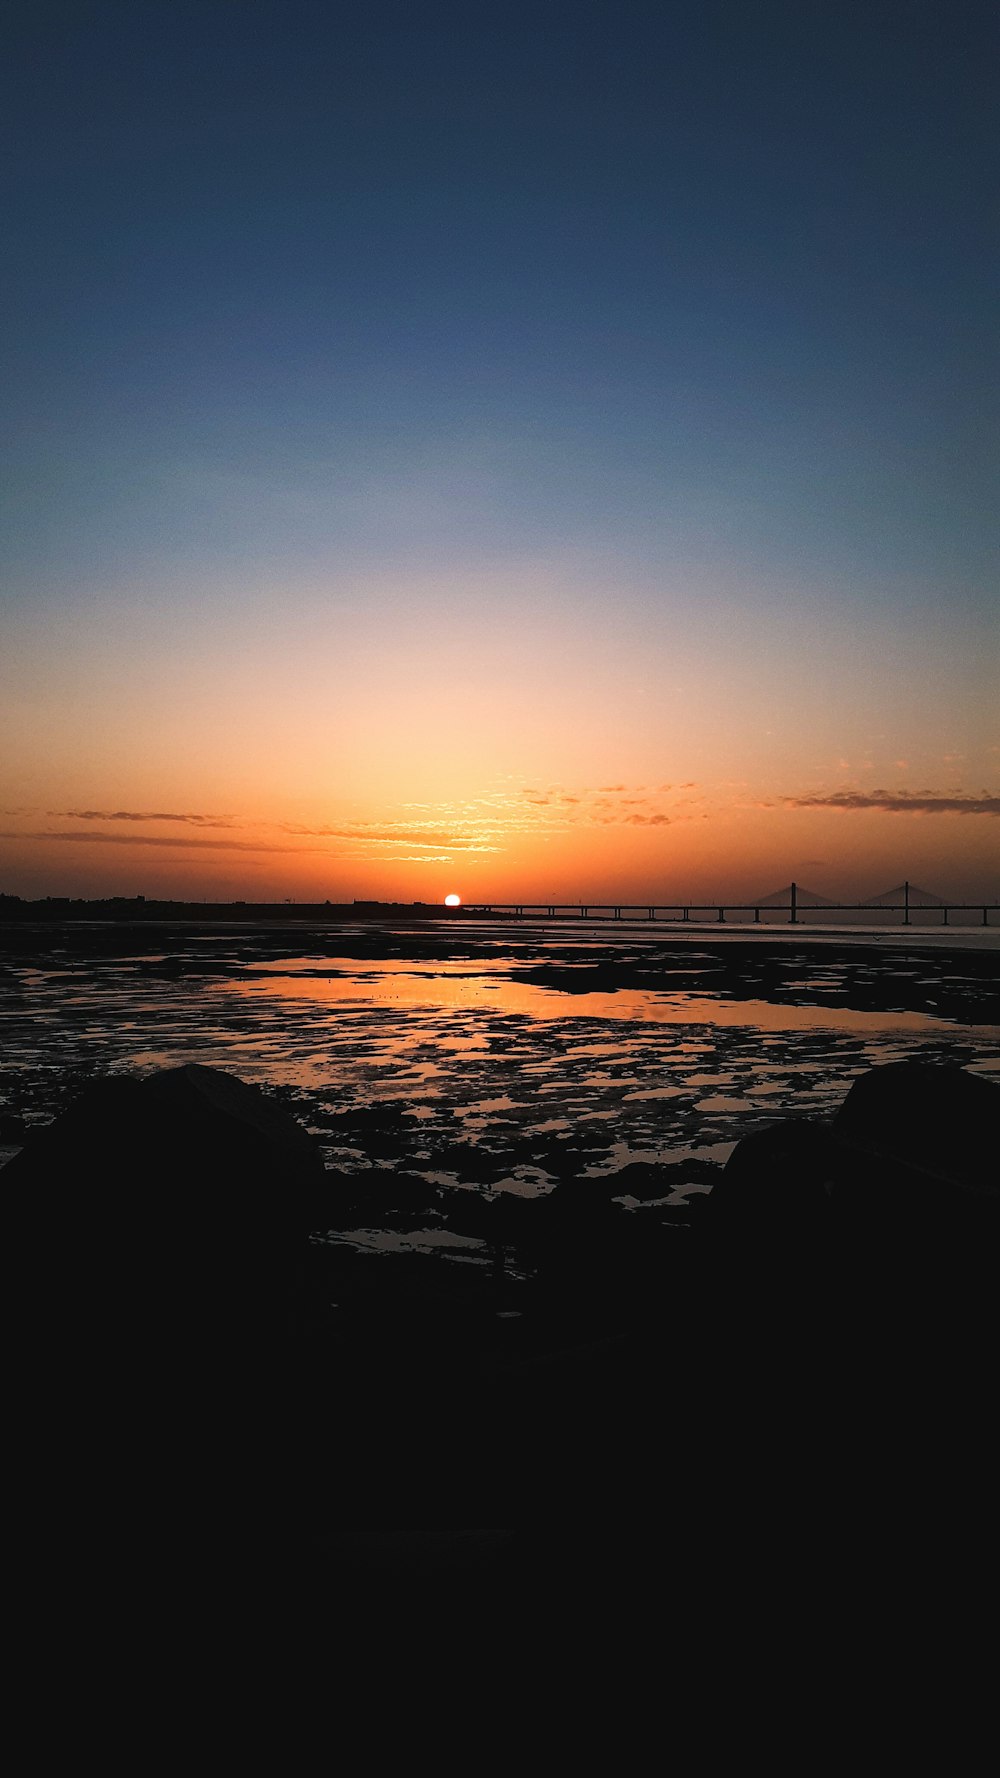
(135, 815)
(900, 802)
(180, 842)
(393, 833)
(610, 805)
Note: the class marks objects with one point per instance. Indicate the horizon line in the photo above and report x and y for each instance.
(767, 903)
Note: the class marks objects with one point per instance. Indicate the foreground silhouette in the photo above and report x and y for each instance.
(794, 1392)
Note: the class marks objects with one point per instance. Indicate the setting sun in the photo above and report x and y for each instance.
(453, 901)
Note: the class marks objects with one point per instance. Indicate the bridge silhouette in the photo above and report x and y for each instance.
(794, 900)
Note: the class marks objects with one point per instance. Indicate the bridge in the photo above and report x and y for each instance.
(798, 903)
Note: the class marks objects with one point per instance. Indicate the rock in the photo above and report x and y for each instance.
(913, 1143)
(777, 1180)
(157, 1233)
(177, 1204)
(934, 1122)
(208, 1124)
(863, 1251)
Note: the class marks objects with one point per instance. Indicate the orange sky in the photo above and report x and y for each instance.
(415, 741)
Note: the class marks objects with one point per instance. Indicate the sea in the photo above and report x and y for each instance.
(492, 1056)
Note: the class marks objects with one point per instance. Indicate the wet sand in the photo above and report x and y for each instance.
(439, 1067)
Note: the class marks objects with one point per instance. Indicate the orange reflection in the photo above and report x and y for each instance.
(452, 987)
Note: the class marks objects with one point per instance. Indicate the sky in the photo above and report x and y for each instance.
(543, 451)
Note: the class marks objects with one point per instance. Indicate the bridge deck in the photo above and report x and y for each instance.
(795, 911)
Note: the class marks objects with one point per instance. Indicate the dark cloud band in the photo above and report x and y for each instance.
(899, 802)
(137, 815)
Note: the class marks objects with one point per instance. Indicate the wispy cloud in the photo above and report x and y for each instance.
(137, 815)
(900, 802)
(176, 842)
(614, 805)
(469, 838)
(424, 833)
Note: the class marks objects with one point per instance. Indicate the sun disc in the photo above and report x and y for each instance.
(453, 901)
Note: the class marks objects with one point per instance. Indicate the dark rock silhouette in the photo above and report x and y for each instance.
(777, 1179)
(186, 1194)
(932, 1122)
(157, 1232)
(206, 1115)
(199, 1366)
(851, 1283)
(909, 1157)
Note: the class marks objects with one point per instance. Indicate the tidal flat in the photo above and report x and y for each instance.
(441, 1068)
(510, 1296)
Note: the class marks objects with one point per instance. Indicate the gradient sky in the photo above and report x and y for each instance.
(538, 451)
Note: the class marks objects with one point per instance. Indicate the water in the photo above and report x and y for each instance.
(483, 1058)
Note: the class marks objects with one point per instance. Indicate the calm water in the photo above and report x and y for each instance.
(500, 1058)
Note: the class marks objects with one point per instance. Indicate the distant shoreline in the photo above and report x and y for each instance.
(435, 935)
(811, 921)
(139, 907)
